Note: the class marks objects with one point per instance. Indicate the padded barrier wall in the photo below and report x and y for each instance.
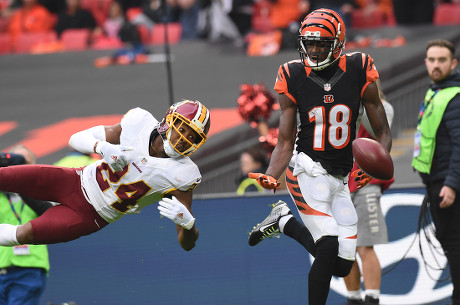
(138, 260)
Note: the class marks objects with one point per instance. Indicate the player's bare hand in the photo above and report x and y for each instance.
(265, 181)
(114, 155)
(360, 178)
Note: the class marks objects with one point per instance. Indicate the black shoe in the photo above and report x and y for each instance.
(354, 302)
(370, 300)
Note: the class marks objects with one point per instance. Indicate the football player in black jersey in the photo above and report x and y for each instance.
(328, 90)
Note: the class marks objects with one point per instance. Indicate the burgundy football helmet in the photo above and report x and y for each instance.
(191, 113)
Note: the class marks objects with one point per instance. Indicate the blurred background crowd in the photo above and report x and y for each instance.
(261, 27)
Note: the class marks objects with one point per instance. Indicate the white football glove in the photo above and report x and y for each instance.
(176, 211)
(114, 155)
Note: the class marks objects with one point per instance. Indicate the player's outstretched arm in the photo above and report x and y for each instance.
(178, 208)
(103, 140)
(377, 116)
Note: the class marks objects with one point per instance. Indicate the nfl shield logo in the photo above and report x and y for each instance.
(327, 87)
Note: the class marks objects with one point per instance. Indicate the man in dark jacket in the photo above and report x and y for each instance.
(437, 151)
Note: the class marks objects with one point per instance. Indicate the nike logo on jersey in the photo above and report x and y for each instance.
(328, 98)
(137, 167)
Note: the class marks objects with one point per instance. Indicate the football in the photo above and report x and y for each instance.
(373, 158)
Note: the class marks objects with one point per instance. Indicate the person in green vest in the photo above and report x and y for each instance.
(437, 152)
(24, 268)
(252, 159)
(76, 159)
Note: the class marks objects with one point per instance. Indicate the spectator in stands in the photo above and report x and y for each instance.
(384, 6)
(117, 27)
(409, 12)
(54, 6)
(74, 17)
(253, 159)
(216, 24)
(284, 12)
(185, 12)
(31, 17)
(241, 15)
(343, 7)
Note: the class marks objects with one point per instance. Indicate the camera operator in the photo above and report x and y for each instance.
(24, 268)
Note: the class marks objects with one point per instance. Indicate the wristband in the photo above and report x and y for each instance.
(95, 146)
(189, 226)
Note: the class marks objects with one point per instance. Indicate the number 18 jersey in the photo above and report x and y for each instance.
(329, 106)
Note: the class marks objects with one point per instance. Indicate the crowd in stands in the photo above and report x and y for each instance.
(57, 25)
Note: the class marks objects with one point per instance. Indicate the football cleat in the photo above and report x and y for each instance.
(270, 226)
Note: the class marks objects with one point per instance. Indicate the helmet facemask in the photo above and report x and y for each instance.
(316, 60)
(178, 123)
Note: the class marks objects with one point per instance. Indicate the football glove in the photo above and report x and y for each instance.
(177, 212)
(361, 178)
(265, 181)
(114, 155)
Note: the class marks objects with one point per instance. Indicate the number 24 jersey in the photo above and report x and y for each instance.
(145, 180)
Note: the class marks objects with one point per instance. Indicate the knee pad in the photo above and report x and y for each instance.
(347, 241)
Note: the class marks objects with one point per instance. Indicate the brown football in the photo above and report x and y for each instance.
(373, 158)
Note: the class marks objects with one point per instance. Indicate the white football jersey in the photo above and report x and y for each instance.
(145, 180)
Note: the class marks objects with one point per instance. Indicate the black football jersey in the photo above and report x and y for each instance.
(328, 103)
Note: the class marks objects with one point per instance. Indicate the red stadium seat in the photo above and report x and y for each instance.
(158, 33)
(26, 41)
(362, 20)
(144, 33)
(446, 14)
(4, 22)
(5, 44)
(75, 39)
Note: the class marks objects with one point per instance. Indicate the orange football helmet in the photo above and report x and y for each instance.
(321, 38)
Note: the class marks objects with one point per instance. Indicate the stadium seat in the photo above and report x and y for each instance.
(75, 39)
(5, 43)
(447, 14)
(26, 41)
(158, 33)
(144, 33)
(4, 22)
(362, 20)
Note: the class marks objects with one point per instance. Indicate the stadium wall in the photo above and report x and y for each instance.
(138, 260)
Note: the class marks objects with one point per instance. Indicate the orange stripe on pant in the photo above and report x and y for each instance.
(299, 200)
